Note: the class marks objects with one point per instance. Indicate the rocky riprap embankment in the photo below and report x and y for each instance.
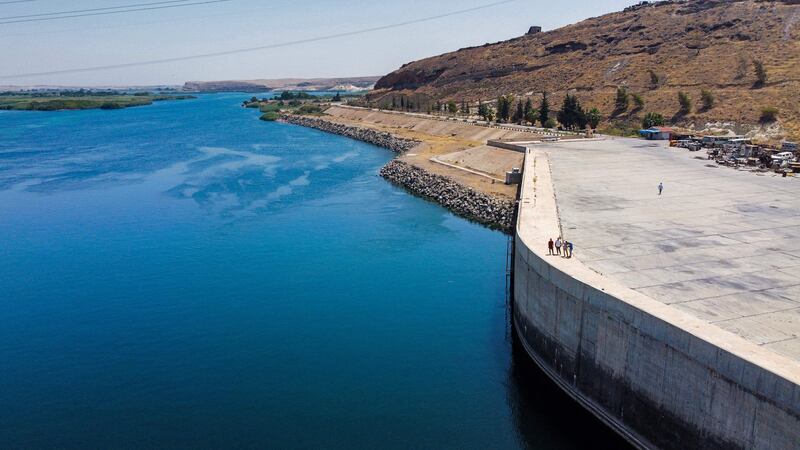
(379, 138)
(464, 201)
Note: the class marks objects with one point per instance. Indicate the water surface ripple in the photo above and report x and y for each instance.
(185, 276)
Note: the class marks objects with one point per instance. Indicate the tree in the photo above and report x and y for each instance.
(638, 102)
(464, 107)
(530, 114)
(707, 97)
(519, 113)
(403, 102)
(485, 111)
(572, 115)
(438, 106)
(594, 118)
(504, 103)
(652, 120)
(761, 73)
(528, 105)
(544, 111)
(394, 102)
(685, 101)
(622, 101)
(452, 108)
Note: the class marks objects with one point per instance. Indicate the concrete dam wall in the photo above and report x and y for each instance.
(661, 378)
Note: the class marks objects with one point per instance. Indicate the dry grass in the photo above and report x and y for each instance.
(438, 138)
(688, 47)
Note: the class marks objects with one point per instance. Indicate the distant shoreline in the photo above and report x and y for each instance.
(82, 102)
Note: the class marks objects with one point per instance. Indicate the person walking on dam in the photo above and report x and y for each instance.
(568, 248)
(660, 188)
(550, 247)
(558, 246)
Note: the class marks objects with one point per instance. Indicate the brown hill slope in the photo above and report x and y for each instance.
(688, 45)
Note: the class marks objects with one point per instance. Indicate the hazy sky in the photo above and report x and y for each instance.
(36, 46)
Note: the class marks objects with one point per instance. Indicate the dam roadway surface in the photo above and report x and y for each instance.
(677, 321)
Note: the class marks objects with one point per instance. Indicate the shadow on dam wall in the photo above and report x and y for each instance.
(547, 418)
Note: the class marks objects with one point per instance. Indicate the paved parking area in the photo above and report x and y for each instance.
(721, 244)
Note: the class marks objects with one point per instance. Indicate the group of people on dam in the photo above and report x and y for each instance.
(561, 247)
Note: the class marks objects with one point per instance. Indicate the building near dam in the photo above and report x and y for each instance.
(677, 321)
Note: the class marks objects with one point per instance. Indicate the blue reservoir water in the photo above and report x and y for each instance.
(184, 275)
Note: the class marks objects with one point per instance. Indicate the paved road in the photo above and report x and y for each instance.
(720, 244)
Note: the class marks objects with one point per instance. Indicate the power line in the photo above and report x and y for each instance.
(89, 10)
(132, 24)
(40, 19)
(258, 48)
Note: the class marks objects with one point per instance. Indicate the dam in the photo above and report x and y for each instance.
(677, 321)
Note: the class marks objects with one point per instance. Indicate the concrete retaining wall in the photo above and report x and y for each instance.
(506, 145)
(661, 378)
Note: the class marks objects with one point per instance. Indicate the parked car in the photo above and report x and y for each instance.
(783, 156)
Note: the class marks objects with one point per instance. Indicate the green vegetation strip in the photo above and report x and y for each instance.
(57, 103)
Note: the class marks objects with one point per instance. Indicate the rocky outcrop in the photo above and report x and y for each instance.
(683, 43)
(464, 201)
(379, 138)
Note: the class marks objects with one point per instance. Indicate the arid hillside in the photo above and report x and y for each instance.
(289, 84)
(654, 50)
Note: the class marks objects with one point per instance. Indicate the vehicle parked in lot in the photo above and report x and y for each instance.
(783, 156)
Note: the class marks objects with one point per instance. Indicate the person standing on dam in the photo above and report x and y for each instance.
(660, 188)
(558, 246)
(550, 247)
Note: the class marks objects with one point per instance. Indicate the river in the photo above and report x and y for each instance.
(184, 275)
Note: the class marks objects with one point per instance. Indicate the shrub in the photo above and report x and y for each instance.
(111, 105)
(452, 108)
(594, 117)
(308, 109)
(270, 116)
(550, 123)
(269, 107)
(622, 101)
(707, 97)
(652, 120)
(769, 114)
(655, 80)
(638, 102)
(685, 101)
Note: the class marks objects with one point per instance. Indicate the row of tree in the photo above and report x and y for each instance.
(523, 112)
(572, 115)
